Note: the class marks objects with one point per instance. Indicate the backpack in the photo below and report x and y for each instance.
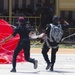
(56, 33)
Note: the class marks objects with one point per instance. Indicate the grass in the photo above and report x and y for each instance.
(39, 45)
(67, 46)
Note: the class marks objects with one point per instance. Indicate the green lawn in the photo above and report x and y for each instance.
(60, 45)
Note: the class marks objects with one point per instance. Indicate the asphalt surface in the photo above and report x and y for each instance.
(65, 65)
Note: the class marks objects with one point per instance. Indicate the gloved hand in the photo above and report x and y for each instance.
(41, 40)
(38, 39)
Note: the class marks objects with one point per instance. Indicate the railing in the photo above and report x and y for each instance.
(71, 39)
(37, 24)
(34, 20)
(72, 31)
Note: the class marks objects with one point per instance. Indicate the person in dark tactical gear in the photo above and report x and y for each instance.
(50, 44)
(52, 37)
(24, 43)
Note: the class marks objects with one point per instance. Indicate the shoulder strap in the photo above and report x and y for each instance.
(51, 25)
(50, 34)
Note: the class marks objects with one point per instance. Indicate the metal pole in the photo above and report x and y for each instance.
(10, 11)
(57, 7)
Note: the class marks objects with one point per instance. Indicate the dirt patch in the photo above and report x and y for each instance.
(60, 51)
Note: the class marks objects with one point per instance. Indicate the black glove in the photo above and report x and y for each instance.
(41, 40)
(38, 39)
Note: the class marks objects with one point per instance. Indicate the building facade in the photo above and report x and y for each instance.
(11, 7)
(33, 10)
(27, 8)
(66, 9)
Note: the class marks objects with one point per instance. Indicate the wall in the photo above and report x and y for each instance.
(67, 4)
(64, 5)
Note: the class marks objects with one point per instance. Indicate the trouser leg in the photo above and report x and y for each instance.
(53, 55)
(27, 56)
(27, 53)
(17, 50)
(44, 53)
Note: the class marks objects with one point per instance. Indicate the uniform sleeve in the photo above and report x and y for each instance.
(16, 30)
(48, 27)
(28, 29)
(65, 26)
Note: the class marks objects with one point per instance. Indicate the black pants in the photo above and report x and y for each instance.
(23, 44)
(53, 54)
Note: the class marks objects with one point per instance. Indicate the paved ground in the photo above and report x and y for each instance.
(65, 65)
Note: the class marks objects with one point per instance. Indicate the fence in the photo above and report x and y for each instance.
(36, 22)
(71, 39)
